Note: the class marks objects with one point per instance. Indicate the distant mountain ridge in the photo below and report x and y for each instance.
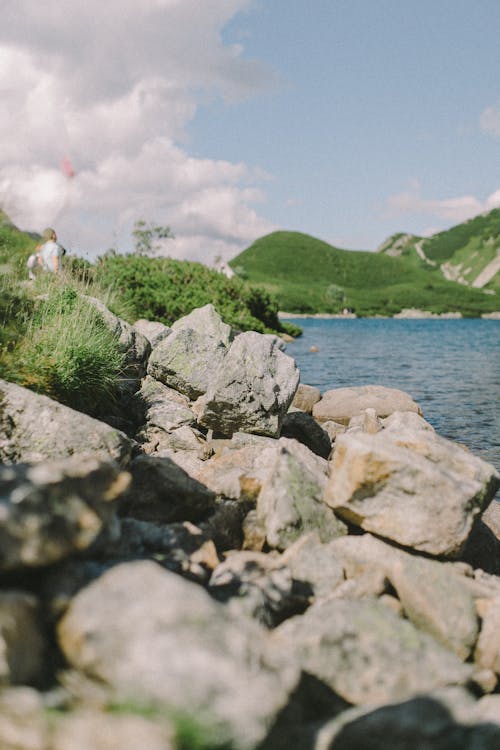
(453, 271)
(468, 253)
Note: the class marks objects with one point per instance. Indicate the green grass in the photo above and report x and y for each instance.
(308, 276)
(51, 339)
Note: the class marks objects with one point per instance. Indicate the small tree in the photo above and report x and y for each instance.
(147, 235)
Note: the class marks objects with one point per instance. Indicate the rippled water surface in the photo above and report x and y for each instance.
(451, 367)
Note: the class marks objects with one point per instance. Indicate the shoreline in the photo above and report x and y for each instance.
(408, 314)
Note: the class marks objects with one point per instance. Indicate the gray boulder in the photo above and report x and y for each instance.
(258, 585)
(180, 547)
(22, 641)
(183, 441)
(366, 422)
(23, 721)
(161, 408)
(314, 564)
(162, 491)
(434, 596)
(168, 424)
(491, 517)
(189, 358)
(366, 653)
(487, 652)
(252, 391)
(239, 473)
(422, 723)
(302, 427)
(34, 428)
(152, 330)
(89, 729)
(187, 361)
(172, 645)
(305, 397)
(290, 502)
(341, 404)
(52, 509)
(392, 484)
(206, 321)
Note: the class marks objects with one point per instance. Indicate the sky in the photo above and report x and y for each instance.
(229, 119)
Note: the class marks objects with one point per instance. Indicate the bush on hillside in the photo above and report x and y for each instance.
(164, 289)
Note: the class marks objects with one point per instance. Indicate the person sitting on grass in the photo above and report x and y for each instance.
(51, 252)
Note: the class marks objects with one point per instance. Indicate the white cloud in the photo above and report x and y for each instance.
(490, 120)
(453, 210)
(113, 85)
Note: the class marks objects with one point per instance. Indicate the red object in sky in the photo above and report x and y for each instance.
(67, 167)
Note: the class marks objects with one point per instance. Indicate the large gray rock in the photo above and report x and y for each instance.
(314, 564)
(179, 547)
(33, 428)
(52, 509)
(341, 404)
(153, 330)
(162, 491)
(161, 408)
(434, 596)
(366, 653)
(491, 517)
(302, 427)
(207, 321)
(422, 723)
(487, 653)
(252, 391)
(415, 488)
(22, 641)
(189, 358)
(290, 502)
(168, 424)
(258, 585)
(187, 361)
(24, 723)
(153, 637)
(93, 730)
(240, 472)
(184, 440)
(305, 397)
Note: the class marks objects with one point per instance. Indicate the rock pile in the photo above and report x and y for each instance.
(259, 567)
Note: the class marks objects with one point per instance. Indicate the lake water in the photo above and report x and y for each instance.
(450, 367)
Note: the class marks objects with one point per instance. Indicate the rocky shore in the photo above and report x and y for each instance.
(241, 562)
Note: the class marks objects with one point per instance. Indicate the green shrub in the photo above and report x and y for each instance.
(68, 353)
(164, 289)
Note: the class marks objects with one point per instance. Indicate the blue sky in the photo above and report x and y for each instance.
(229, 119)
(376, 98)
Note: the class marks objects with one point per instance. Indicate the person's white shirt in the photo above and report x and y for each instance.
(50, 253)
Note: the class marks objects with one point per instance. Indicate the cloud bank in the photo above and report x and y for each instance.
(112, 87)
(451, 210)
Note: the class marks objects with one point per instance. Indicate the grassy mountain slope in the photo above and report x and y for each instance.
(309, 275)
(461, 253)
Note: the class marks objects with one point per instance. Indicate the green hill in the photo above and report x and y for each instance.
(309, 276)
(468, 253)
